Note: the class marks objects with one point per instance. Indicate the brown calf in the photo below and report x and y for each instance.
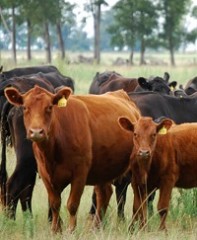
(78, 144)
(161, 159)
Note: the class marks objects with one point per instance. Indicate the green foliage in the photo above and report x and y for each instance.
(133, 20)
(194, 11)
(173, 13)
(188, 198)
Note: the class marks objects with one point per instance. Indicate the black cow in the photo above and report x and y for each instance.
(156, 84)
(191, 86)
(55, 78)
(16, 72)
(21, 183)
(154, 105)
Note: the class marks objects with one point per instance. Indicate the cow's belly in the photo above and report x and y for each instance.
(188, 175)
(108, 169)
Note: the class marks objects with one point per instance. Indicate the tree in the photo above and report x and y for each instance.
(46, 13)
(95, 8)
(64, 15)
(25, 13)
(134, 21)
(192, 35)
(12, 5)
(105, 42)
(173, 31)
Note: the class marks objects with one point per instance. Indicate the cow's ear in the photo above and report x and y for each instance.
(61, 96)
(144, 83)
(164, 126)
(166, 77)
(13, 96)
(172, 85)
(126, 124)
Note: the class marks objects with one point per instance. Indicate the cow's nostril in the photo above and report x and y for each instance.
(144, 153)
(41, 131)
(36, 133)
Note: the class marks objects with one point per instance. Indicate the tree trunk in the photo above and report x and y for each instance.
(60, 40)
(131, 57)
(171, 48)
(28, 40)
(142, 52)
(97, 19)
(13, 36)
(47, 42)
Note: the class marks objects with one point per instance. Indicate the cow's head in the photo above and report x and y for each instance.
(38, 106)
(145, 132)
(157, 84)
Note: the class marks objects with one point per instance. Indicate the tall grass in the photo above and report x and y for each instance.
(181, 223)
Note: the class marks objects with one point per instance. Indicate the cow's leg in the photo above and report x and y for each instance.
(20, 186)
(103, 195)
(55, 203)
(163, 203)
(150, 203)
(121, 191)
(77, 187)
(49, 214)
(139, 206)
(26, 197)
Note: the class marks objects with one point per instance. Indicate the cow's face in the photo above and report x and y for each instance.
(156, 84)
(145, 132)
(38, 106)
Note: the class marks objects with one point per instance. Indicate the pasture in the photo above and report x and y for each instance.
(182, 218)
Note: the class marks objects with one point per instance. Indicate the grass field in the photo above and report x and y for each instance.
(182, 219)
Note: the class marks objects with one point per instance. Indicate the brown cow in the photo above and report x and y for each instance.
(78, 144)
(160, 160)
(116, 83)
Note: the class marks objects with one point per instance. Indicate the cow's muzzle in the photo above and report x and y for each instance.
(36, 134)
(143, 153)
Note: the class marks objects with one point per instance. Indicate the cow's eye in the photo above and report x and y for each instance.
(24, 108)
(49, 108)
(154, 135)
(135, 134)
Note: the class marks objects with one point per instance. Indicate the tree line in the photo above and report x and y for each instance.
(137, 24)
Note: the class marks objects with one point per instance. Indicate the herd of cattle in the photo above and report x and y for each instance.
(127, 130)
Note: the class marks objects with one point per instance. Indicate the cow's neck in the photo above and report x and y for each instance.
(140, 167)
(44, 153)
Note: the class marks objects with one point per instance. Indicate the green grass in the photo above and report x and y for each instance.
(181, 224)
(83, 73)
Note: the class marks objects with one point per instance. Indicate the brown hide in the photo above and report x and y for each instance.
(171, 159)
(80, 144)
(127, 84)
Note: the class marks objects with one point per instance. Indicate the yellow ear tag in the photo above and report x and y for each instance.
(62, 102)
(171, 88)
(163, 131)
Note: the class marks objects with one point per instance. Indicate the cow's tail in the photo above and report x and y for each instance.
(5, 133)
